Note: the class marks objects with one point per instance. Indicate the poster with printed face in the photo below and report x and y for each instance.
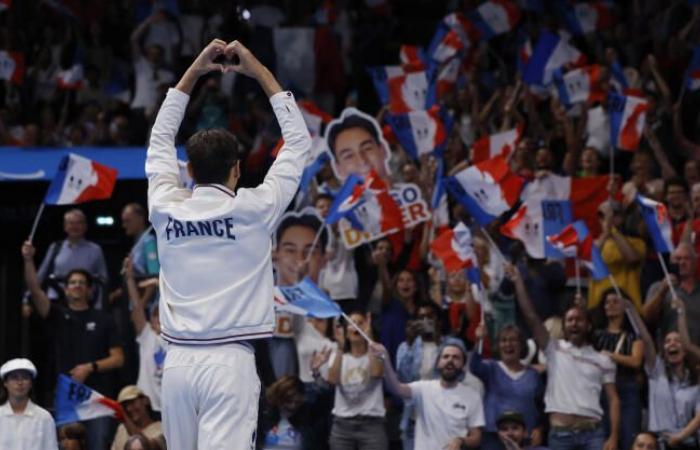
(293, 244)
(357, 145)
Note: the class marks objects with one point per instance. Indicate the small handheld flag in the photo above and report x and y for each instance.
(422, 132)
(454, 248)
(307, 299)
(627, 118)
(658, 223)
(80, 180)
(76, 402)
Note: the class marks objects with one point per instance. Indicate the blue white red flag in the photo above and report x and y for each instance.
(305, 299)
(495, 17)
(586, 17)
(12, 66)
(550, 53)
(692, 75)
(412, 56)
(75, 402)
(446, 79)
(524, 51)
(422, 132)
(71, 78)
(349, 197)
(487, 189)
(575, 241)
(454, 35)
(618, 77)
(498, 144)
(627, 118)
(658, 223)
(318, 157)
(579, 85)
(80, 180)
(454, 248)
(378, 213)
(403, 89)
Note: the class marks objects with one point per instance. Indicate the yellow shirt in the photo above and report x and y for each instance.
(627, 276)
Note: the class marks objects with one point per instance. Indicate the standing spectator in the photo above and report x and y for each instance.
(676, 199)
(86, 341)
(358, 412)
(577, 375)
(138, 419)
(622, 252)
(75, 252)
(617, 339)
(449, 414)
(510, 386)
(399, 308)
(152, 348)
(23, 425)
(144, 252)
(512, 432)
(674, 394)
(658, 309)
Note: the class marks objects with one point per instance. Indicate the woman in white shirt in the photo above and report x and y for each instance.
(358, 410)
(22, 423)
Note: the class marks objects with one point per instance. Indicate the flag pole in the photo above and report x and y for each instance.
(627, 312)
(314, 243)
(36, 221)
(578, 277)
(612, 165)
(356, 327)
(666, 275)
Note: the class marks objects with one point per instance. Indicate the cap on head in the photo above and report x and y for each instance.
(17, 364)
(128, 393)
(510, 416)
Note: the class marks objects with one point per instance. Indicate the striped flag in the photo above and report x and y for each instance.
(627, 118)
(75, 402)
(498, 144)
(80, 180)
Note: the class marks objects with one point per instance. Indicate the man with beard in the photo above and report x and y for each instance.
(576, 376)
(449, 414)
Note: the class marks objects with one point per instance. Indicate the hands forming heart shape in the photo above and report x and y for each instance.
(237, 58)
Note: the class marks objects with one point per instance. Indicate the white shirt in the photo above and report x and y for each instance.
(34, 429)
(152, 350)
(339, 276)
(443, 414)
(357, 394)
(576, 376)
(214, 246)
(308, 341)
(147, 80)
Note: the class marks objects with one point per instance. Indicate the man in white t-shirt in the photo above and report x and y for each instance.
(576, 376)
(449, 414)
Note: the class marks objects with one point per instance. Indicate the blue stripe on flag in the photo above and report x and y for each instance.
(56, 186)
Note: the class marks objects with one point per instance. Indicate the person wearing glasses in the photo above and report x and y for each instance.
(86, 341)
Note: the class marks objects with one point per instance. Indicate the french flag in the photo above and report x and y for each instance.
(627, 118)
(618, 77)
(75, 402)
(454, 34)
(454, 248)
(403, 90)
(70, 79)
(575, 241)
(487, 189)
(349, 197)
(499, 144)
(526, 226)
(524, 51)
(412, 56)
(550, 53)
(80, 180)
(658, 223)
(692, 75)
(12, 66)
(378, 214)
(579, 85)
(422, 132)
(447, 79)
(317, 158)
(305, 299)
(314, 118)
(586, 17)
(495, 17)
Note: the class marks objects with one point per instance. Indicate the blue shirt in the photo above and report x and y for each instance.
(503, 393)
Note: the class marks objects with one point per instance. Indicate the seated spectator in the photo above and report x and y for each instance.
(449, 414)
(358, 411)
(674, 393)
(87, 344)
(138, 419)
(576, 377)
(617, 339)
(72, 436)
(509, 386)
(621, 251)
(23, 425)
(512, 432)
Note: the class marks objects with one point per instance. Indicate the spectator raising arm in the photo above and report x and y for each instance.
(136, 300)
(691, 348)
(539, 332)
(643, 331)
(40, 299)
(392, 380)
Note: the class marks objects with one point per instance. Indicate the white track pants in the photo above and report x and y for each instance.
(210, 397)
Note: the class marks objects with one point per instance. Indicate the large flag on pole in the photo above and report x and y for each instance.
(454, 248)
(658, 223)
(76, 402)
(80, 180)
(575, 241)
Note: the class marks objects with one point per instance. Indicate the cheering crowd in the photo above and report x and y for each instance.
(522, 274)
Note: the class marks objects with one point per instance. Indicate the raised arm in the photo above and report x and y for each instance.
(136, 301)
(39, 298)
(392, 380)
(641, 328)
(690, 347)
(539, 332)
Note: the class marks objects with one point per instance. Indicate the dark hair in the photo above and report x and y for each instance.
(648, 433)
(323, 196)
(432, 305)
(137, 209)
(676, 181)
(140, 438)
(279, 391)
(212, 154)
(350, 121)
(600, 320)
(521, 337)
(83, 272)
(310, 221)
(74, 431)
